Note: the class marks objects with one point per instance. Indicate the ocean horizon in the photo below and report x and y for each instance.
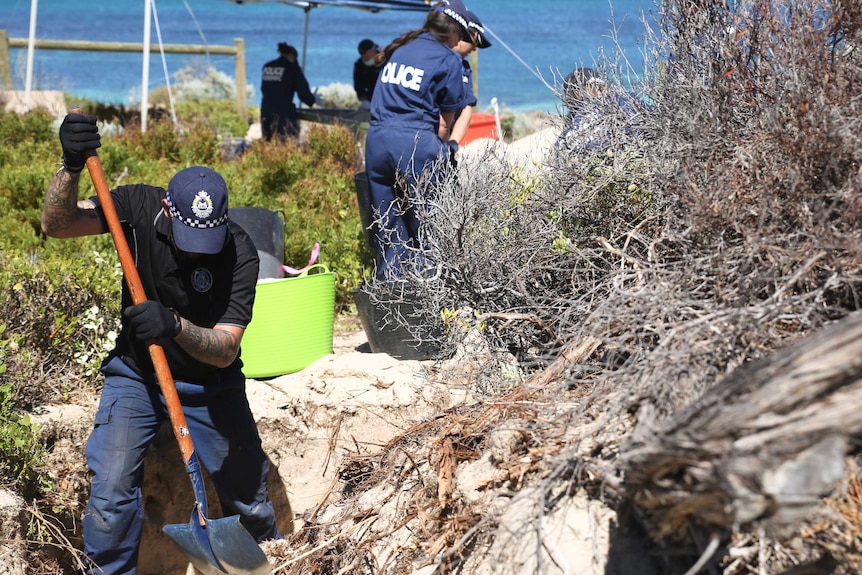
(535, 44)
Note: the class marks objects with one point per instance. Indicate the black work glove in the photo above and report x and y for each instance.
(452, 145)
(78, 135)
(150, 320)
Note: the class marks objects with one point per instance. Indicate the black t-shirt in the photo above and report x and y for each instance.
(209, 290)
(364, 79)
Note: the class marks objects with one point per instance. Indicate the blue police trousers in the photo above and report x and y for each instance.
(390, 152)
(129, 415)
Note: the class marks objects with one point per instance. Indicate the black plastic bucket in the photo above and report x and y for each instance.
(266, 229)
(366, 214)
(385, 335)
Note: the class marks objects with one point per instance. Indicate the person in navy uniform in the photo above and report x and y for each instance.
(594, 113)
(199, 270)
(464, 48)
(365, 72)
(282, 78)
(418, 92)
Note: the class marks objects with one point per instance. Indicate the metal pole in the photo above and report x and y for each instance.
(145, 73)
(305, 37)
(28, 82)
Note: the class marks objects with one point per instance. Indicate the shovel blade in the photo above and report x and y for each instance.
(227, 541)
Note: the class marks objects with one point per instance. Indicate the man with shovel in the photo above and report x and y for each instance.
(199, 270)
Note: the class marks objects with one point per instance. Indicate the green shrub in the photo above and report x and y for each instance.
(333, 144)
(515, 125)
(62, 314)
(29, 157)
(21, 185)
(22, 455)
(37, 126)
(197, 144)
(221, 116)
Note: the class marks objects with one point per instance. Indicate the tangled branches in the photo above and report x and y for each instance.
(724, 228)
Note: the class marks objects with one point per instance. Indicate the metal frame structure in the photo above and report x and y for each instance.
(367, 5)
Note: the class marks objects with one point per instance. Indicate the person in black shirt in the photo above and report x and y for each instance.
(365, 72)
(199, 270)
(282, 78)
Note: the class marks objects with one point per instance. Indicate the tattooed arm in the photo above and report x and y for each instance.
(63, 216)
(218, 346)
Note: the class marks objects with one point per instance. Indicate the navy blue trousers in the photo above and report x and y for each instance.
(281, 126)
(390, 152)
(129, 415)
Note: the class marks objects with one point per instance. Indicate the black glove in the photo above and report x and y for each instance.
(78, 135)
(453, 147)
(150, 320)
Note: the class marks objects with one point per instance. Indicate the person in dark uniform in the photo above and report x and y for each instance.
(595, 114)
(418, 92)
(282, 78)
(464, 48)
(199, 270)
(365, 72)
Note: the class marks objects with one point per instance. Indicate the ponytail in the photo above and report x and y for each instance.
(445, 29)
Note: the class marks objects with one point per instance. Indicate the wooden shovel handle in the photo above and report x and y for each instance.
(136, 289)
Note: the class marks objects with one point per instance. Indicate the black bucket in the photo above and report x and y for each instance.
(387, 336)
(366, 215)
(266, 229)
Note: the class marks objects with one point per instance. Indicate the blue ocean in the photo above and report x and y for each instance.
(535, 42)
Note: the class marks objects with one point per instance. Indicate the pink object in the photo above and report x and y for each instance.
(315, 251)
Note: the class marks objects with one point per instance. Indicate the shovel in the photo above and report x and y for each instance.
(214, 546)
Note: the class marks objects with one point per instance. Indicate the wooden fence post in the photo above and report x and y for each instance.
(239, 74)
(5, 62)
(237, 51)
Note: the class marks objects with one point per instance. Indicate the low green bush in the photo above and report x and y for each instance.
(220, 116)
(22, 455)
(62, 314)
(37, 126)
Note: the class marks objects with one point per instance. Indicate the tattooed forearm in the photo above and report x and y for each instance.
(62, 214)
(213, 346)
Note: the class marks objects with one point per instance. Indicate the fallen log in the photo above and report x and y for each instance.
(763, 445)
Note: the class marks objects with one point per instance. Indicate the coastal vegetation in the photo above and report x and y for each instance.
(666, 324)
(62, 297)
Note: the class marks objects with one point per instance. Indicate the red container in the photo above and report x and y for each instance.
(481, 126)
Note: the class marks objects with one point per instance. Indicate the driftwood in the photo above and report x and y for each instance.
(762, 446)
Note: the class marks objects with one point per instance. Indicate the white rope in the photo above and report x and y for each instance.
(199, 29)
(164, 64)
(519, 59)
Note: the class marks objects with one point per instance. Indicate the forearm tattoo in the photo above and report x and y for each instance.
(62, 208)
(212, 346)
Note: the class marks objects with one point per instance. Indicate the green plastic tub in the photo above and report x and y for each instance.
(291, 324)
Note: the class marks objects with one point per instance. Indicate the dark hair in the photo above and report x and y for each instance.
(575, 83)
(444, 28)
(286, 49)
(365, 46)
